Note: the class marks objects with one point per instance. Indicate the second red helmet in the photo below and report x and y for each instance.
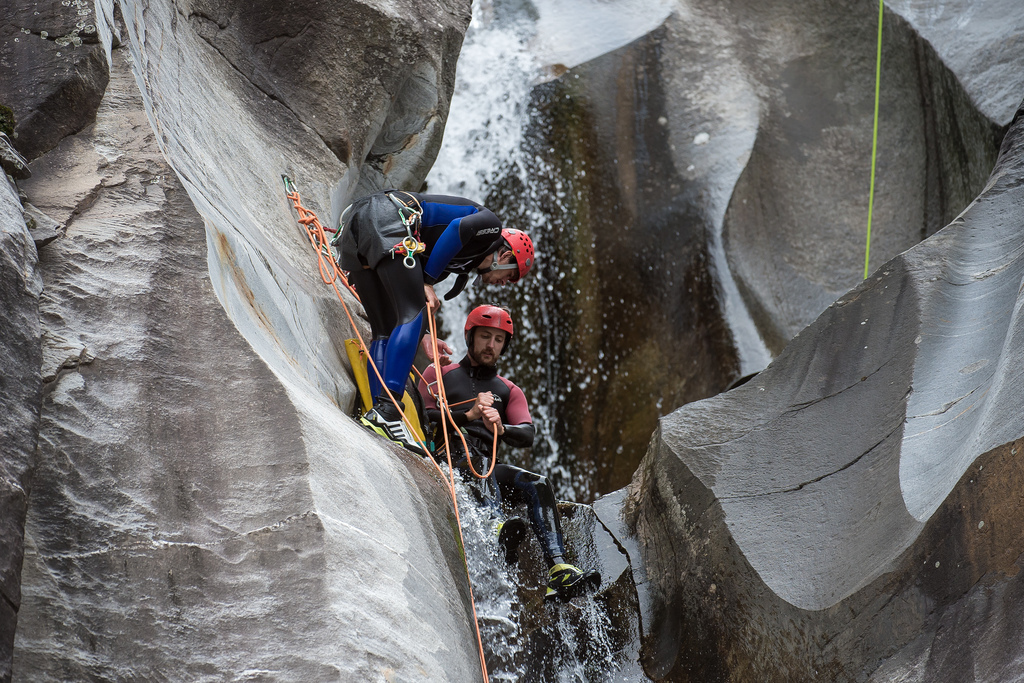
(489, 316)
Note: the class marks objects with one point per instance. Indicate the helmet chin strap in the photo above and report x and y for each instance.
(495, 265)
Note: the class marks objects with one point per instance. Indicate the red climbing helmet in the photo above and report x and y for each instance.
(522, 247)
(489, 316)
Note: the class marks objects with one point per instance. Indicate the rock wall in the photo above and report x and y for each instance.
(704, 192)
(794, 230)
(201, 502)
(858, 495)
(54, 71)
(20, 395)
(631, 325)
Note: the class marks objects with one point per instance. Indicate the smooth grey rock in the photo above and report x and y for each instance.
(20, 393)
(703, 194)
(13, 163)
(194, 511)
(979, 41)
(249, 103)
(853, 494)
(786, 152)
(42, 228)
(54, 71)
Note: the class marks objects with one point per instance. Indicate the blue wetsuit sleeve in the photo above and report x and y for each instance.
(466, 223)
(445, 249)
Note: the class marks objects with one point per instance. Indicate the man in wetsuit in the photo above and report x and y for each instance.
(396, 245)
(489, 403)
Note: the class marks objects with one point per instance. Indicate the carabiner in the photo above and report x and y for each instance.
(411, 247)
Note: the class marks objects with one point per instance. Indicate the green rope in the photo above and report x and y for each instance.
(874, 138)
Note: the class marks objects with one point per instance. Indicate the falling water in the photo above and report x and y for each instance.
(527, 638)
(509, 48)
(483, 142)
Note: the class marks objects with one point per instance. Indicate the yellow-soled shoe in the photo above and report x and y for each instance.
(566, 581)
(392, 430)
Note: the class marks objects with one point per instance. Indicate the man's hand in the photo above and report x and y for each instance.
(433, 303)
(483, 409)
(443, 349)
(484, 400)
(492, 420)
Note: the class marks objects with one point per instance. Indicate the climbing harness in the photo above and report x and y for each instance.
(410, 215)
(330, 275)
(874, 137)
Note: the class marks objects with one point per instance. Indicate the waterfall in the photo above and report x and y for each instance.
(526, 637)
(511, 47)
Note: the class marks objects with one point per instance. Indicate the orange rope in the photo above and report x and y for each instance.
(427, 384)
(318, 238)
(329, 271)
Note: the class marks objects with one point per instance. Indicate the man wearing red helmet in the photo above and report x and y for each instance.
(396, 245)
(499, 405)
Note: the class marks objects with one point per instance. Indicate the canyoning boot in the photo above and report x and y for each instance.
(387, 421)
(566, 581)
(511, 533)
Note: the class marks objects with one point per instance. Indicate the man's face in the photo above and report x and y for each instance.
(501, 277)
(487, 345)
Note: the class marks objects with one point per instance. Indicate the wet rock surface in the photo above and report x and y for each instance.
(592, 636)
(980, 42)
(200, 489)
(795, 225)
(630, 325)
(705, 192)
(186, 515)
(20, 394)
(370, 91)
(816, 520)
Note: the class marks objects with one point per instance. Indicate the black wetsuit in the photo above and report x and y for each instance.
(458, 234)
(512, 484)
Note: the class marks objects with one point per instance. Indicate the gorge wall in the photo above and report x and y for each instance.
(859, 496)
(704, 190)
(181, 487)
(198, 500)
